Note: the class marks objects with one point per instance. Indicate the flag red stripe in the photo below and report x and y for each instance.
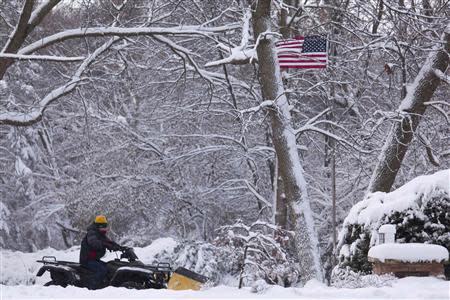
(304, 67)
(301, 55)
(303, 61)
(290, 47)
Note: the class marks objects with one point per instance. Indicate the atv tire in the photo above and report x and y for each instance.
(132, 285)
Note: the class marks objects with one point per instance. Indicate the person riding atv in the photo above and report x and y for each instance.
(93, 247)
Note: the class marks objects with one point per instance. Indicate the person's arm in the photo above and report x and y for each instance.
(111, 245)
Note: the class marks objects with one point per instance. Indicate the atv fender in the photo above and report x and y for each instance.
(60, 272)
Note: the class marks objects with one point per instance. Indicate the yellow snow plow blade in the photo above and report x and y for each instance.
(183, 279)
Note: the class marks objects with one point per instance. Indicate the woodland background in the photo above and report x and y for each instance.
(166, 146)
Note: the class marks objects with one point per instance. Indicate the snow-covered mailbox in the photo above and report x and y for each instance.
(413, 259)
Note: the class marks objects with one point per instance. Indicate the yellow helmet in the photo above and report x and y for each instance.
(101, 219)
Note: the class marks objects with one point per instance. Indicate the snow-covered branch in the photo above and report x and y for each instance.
(257, 195)
(35, 115)
(442, 76)
(41, 11)
(241, 54)
(122, 32)
(435, 105)
(262, 105)
(312, 125)
(41, 57)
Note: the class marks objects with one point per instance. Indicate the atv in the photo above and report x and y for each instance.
(129, 273)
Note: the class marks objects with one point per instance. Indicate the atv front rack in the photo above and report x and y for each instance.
(48, 260)
(161, 267)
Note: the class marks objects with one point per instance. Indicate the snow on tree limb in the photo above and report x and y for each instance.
(311, 125)
(41, 57)
(120, 31)
(241, 54)
(35, 115)
(442, 76)
(435, 105)
(41, 11)
(257, 195)
(262, 105)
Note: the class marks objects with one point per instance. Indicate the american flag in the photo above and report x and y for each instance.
(304, 52)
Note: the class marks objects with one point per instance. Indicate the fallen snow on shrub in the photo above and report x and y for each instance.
(346, 278)
(410, 253)
(378, 204)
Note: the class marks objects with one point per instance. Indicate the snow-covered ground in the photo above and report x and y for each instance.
(18, 281)
(406, 288)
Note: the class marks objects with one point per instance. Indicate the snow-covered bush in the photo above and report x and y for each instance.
(420, 210)
(346, 278)
(212, 261)
(259, 286)
(260, 252)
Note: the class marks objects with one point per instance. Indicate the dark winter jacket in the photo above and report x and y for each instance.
(94, 245)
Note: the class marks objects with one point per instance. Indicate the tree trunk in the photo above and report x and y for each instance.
(411, 109)
(24, 27)
(284, 141)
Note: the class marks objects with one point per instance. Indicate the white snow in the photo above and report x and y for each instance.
(406, 288)
(21, 168)
(18, 281)
(41, 57)
(376, 205)
(410, 253)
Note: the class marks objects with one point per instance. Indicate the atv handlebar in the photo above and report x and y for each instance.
(128, 253)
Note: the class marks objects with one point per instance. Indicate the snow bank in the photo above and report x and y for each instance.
(406, 288)
(411, 253)
(21, 268)
(378, 204)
